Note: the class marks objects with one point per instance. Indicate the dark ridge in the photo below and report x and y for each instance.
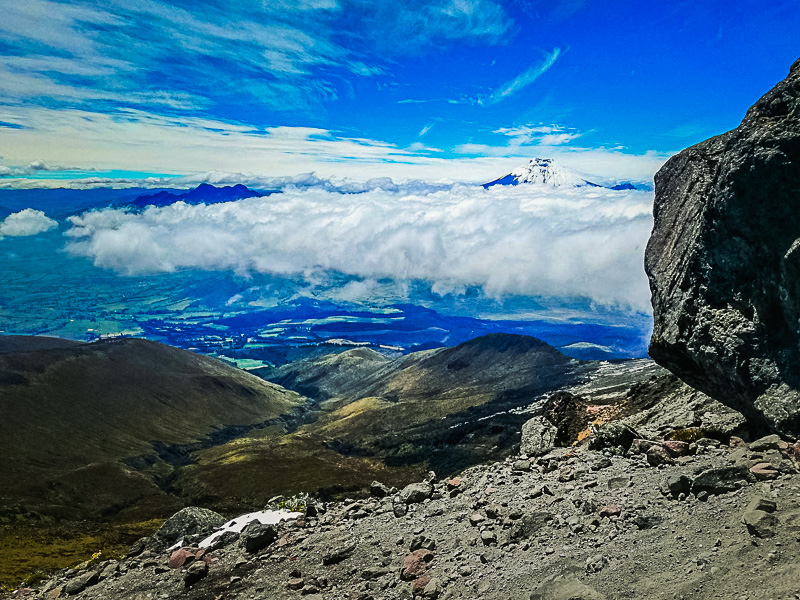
(202, 194)
(32, 343)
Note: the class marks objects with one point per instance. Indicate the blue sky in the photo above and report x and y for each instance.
(118, 90)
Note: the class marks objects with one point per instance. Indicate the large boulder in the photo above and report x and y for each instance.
(724, 263)
(190, 521)
(538, 436)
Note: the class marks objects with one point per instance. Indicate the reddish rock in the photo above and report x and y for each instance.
(453, 484)
(764, 471)
(610, 510)
(55, 593)
(416, 563)
(180, 557)
(489, 491)
(419, 585)
(794, 451)
(676, 448)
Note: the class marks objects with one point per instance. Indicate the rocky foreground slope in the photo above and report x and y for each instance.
(724, 263)
(617, 517)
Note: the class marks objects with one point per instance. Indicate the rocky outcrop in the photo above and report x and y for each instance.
(724, 263)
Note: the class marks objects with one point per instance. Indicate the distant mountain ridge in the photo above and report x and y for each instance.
(202, 194)
(544, 171)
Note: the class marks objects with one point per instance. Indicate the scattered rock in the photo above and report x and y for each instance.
(432, 589)
(184, 556)
(595, 563)
(610, 510)
(522, 465)
(764, 471)
(769, 442)
(258, 536)
(374, 572)
(675, 485)
(379, 490)
(79, 583)
(658, 455)
(761, 524)
(762, 504)
(488, 537)
(676, 448)
(415, 493)
(196, 571)
(640, 446)
(339, 553)
(720, 480)
(613, 435)
(296, 583)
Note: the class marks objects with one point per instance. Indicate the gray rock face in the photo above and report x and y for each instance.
(724, 263)
(538, 436)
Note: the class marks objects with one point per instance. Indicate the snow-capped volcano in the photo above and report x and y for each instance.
(542, 171)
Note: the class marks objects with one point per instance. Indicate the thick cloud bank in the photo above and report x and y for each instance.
(523, 240)
(26, 222)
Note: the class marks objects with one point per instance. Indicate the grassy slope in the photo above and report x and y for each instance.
(70, 414)
(386, 419)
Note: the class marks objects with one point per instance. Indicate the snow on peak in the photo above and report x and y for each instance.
(542, 171)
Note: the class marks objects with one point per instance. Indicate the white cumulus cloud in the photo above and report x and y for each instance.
(26, 222)
(522, 240)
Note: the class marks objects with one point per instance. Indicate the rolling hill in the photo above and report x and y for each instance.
(388, 419)
(93, 428)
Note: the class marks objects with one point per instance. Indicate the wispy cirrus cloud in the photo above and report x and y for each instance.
(282, 55)
(189, 145)
(543, 135)
(525, 79)
(426, 128)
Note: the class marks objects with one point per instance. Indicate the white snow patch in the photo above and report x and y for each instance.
(265, 517)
